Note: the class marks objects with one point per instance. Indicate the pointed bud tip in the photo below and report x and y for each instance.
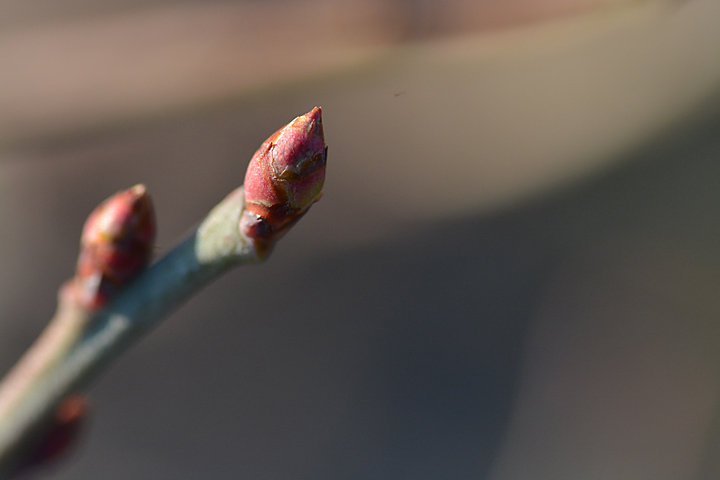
(310, 124)
(72, 409)
(315, 114)
(128, 212)
(138, 190)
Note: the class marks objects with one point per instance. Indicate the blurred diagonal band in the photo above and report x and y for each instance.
(94, 71)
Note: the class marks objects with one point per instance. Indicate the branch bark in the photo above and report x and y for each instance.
(77, 345)
(39, 401)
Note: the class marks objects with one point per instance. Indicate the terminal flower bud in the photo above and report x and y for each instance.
(284, 178)
(116, 244)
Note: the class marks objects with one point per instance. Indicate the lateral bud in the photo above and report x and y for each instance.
(63, 431)
(116, 244)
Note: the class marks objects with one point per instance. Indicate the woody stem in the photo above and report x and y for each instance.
(67, 357)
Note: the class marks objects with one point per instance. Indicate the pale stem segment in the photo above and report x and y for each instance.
(77, 345)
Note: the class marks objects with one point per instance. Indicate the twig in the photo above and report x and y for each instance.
(62, 365)
(284, 178)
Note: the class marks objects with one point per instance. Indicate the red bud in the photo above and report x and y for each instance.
(285, 177)
(116, 244)
(67, 421)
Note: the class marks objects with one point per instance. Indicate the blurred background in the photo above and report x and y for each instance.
(513, 273)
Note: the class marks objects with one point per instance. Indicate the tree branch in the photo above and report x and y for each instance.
(76, 346)
(113, 299)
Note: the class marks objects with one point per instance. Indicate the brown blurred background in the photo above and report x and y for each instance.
(513, 273)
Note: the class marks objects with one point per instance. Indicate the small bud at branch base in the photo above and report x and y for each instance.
(66, 425)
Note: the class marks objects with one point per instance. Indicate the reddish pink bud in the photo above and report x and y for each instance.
(116, 244)
(285, 177)
(67, 422)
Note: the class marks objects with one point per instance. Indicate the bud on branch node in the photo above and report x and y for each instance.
(116, 244)
(284, 178)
